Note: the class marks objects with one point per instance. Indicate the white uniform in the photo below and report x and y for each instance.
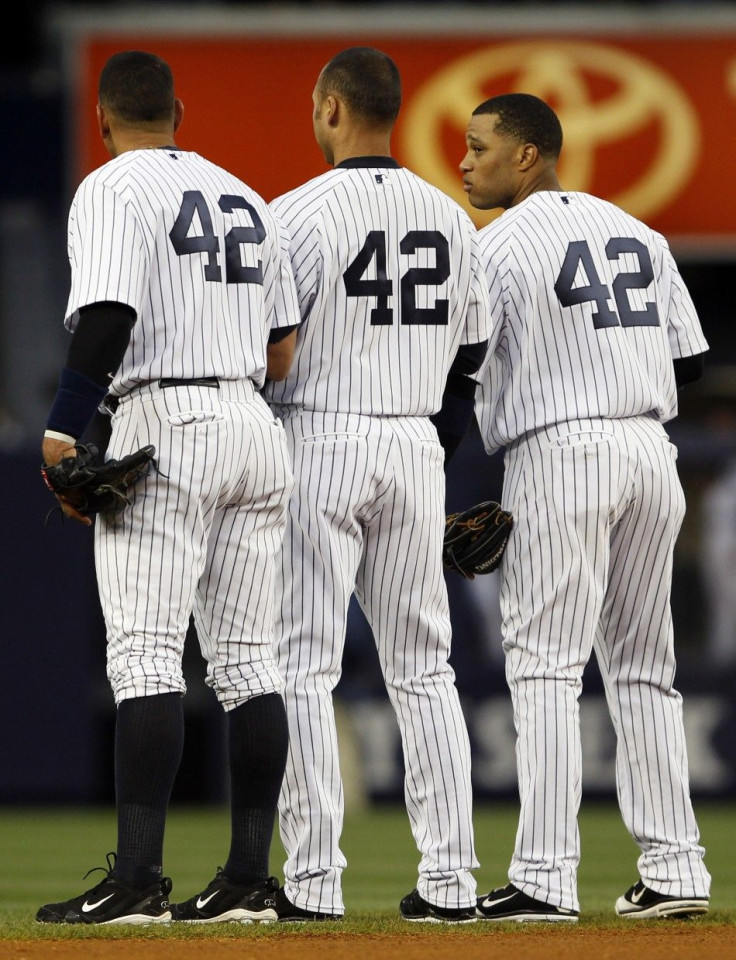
(201, 259)
(590, 311)
(389, 287)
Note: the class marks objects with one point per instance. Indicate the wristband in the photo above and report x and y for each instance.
(76, 400)
(55, 435)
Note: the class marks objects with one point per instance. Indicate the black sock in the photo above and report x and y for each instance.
(149, 739)
(258, 740)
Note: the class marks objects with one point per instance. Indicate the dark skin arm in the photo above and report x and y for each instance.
(279, 356)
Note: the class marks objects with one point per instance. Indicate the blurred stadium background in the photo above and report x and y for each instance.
(647, 96)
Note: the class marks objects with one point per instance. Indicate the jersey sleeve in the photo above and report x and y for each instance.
(686, 337)
(304, 252)
(490, 269)
(285, 304)
(106, 250)
(479, 322)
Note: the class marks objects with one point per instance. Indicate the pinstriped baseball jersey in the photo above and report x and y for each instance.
(383, 290)
(592, 310)
(148, 216)
(199, 256)
(389, 288)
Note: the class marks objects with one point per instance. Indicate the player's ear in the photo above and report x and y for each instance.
(528, 155)
(178, 114)
(102, 122)
(331, 108)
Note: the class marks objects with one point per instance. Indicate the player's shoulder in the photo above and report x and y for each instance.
(499, 233)
(222, 176)
(307, 199)
(544, 214)
(621, 222)
(452, 207)
(514, 231)
(107, 173)
(130, 172)
(110, 180)
(598, 207)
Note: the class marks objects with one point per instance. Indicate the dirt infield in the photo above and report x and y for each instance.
(653, 942)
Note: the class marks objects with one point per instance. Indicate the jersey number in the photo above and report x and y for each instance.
(382, 287)
(207, 242)
(578, 253)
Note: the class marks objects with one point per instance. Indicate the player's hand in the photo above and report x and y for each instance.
(53, 451)
(69, 510)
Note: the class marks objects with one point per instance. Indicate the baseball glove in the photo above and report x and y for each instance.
(476, 538)
(91, 485)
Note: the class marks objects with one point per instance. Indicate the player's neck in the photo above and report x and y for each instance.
(546, 181)
(142, 140)
(362, 145)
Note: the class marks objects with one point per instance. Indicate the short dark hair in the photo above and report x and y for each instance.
(524, 117)
(137, 87)
(367, 80)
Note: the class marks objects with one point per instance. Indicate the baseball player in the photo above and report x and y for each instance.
(179, 278)
(594, 333)
(395, 319)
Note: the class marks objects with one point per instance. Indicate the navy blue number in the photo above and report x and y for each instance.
(206, 242)
(184, 245)
(382, 287)
(425, 276)
(649, 317)
(235, 272)
(578, 254)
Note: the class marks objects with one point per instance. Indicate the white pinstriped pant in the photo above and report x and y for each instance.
(367, 516)
(201, 536)
(598, 506)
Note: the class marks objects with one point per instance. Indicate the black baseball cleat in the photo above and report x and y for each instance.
(418, 910)
(113, 902)
(643, 903)
(288, 912)
(509, 903)
(223, 900)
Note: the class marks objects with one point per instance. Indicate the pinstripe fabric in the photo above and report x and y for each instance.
(190, 312)
(205, 265)
(550, 362)
(368, 490)
(591, 479)
(343, 362)
(367, 515)
(202, 535)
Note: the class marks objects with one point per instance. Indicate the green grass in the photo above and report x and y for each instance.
(45, 853)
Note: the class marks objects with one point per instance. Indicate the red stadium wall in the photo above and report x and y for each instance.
(649, 118)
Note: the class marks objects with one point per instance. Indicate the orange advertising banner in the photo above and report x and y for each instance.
(649, 120)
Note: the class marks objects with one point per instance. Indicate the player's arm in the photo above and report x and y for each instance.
(303, 234)
(98, 344)
(688, 369)
(458, 401)
(282, 336)
(453, 418)
(280, 352)
(684, 331)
